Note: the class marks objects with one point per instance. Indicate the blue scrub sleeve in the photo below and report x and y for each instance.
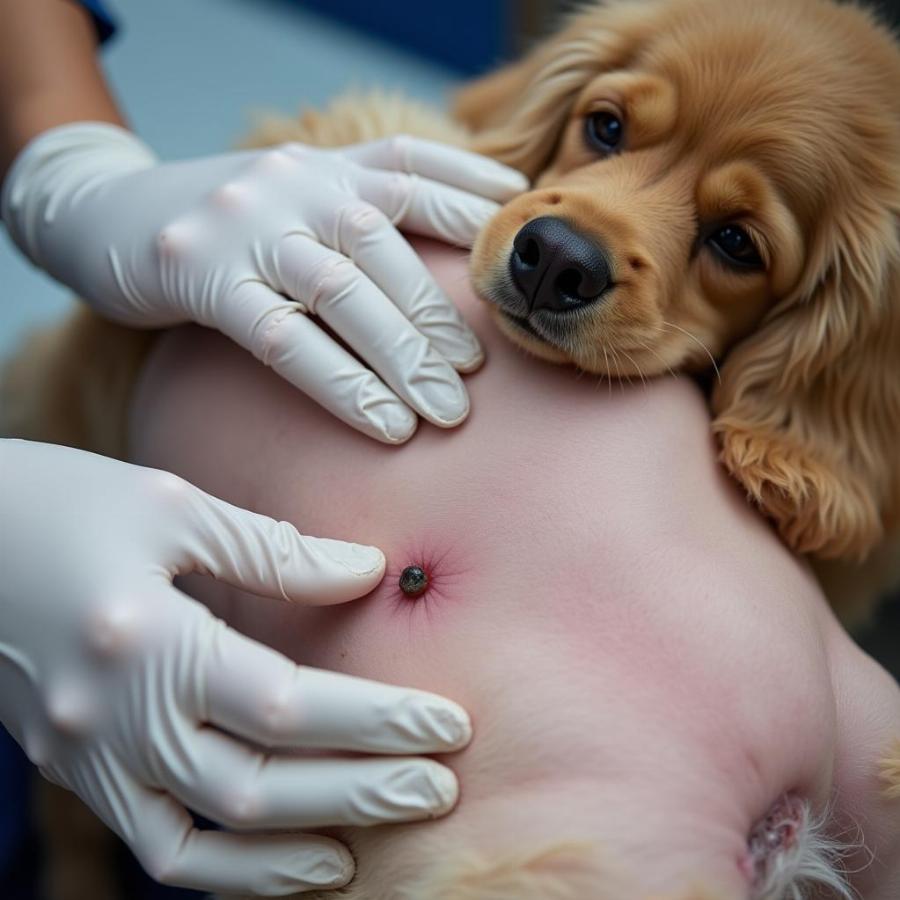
(14, 780)
(103, 21)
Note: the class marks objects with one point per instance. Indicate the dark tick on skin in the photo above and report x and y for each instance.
(413, 581)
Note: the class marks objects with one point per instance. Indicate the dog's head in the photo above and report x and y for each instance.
(718, 183)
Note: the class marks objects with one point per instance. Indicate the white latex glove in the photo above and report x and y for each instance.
(134, 696)
(255, 243)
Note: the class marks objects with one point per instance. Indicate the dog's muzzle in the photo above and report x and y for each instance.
(556, 268)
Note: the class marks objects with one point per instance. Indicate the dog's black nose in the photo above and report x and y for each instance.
(556, 267)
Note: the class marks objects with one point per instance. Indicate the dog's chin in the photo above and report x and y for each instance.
(551, 336)
(523, 334)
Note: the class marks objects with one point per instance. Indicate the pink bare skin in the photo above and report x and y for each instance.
(645, 664)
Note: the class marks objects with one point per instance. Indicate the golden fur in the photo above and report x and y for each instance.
(890, 772)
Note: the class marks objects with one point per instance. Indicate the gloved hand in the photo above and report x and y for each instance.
(256, 243)
(134, 696)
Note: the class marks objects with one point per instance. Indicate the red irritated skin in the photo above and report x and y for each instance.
(648, 669)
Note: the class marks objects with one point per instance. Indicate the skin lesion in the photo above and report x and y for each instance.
(890, 771)
(413, 581)
(425, 570)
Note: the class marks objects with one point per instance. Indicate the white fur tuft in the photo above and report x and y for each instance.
(812, 866)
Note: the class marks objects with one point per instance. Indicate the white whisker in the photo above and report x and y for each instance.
(660, 358)
(615, 357)
(706, 349)
(634, 363)
(608, 370)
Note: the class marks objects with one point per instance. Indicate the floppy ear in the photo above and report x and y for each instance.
(808, 407)
(517, 113)
(491, 99)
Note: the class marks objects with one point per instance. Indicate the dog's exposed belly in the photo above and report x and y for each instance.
(606, 640)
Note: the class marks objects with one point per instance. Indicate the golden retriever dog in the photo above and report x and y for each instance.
(718, 184)
(716, 189)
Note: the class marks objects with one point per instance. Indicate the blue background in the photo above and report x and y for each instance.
(469, 35)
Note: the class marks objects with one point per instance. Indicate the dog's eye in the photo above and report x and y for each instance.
(736, 247)
(604, 131)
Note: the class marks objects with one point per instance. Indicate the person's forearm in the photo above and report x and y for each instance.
(48, 72)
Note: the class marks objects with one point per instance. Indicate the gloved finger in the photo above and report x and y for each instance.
(279, 334)
(268, 557)
(176, 853)
(334, 289)
(426, 207)
(383, 254)
(254, 692)
(243, 789)
(441, 162)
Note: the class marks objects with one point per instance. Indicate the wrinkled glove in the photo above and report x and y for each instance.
(257, 243)
(126, 691)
